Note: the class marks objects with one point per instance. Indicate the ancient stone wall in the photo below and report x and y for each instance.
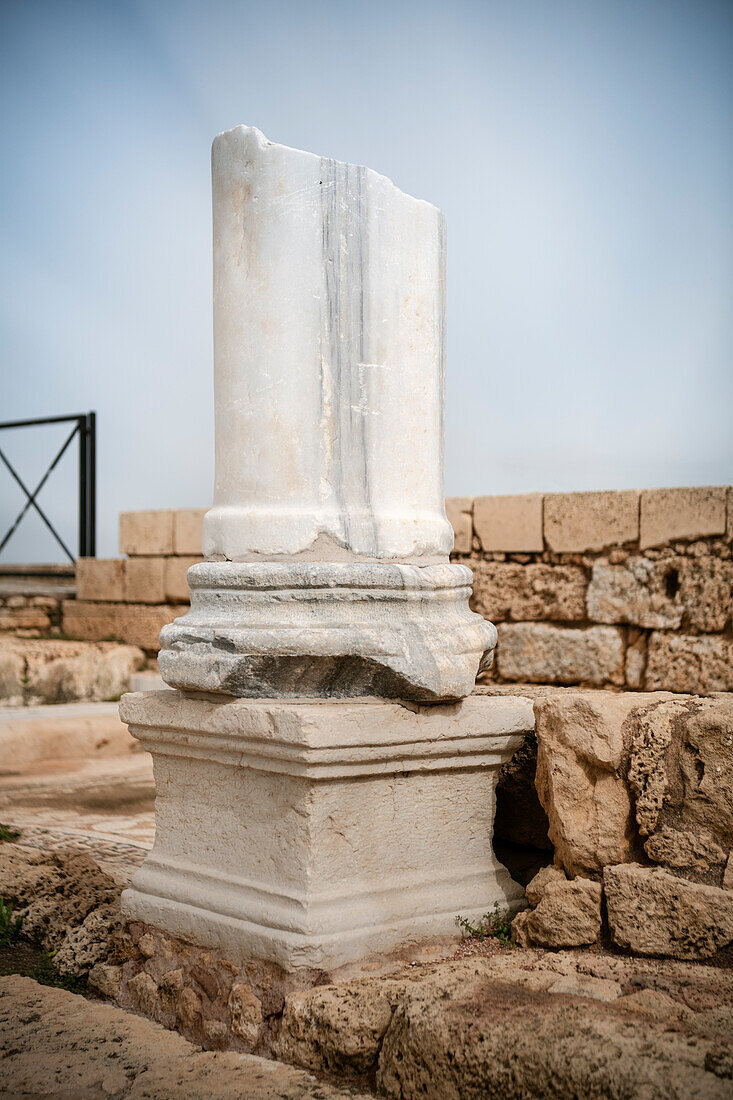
(627, 590)
(130, 599)
(31, 598)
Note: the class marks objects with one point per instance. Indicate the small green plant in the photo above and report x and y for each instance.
(496, 925)
(8, 834)
(9, 925)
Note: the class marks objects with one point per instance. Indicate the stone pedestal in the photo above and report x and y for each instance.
(298, 826)
(312, 834)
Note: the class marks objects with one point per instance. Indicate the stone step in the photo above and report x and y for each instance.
(66, 731)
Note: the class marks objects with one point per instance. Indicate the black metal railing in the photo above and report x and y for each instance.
(85, 426)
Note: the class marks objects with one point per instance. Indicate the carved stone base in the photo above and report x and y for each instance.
(314, 834)
(328, 630)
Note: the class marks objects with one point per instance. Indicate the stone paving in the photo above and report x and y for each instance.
(104, 806)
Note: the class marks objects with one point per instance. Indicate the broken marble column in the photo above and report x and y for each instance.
(327, 571)
(310, 810)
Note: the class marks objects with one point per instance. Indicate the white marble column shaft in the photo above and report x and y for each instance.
(329, 351)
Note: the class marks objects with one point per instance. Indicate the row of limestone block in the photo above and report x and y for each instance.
(613, 573)
(612, 657)
(577, 522)
(528, 523)
(139, 580)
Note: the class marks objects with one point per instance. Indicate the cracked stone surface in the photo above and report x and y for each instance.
(58, 1045)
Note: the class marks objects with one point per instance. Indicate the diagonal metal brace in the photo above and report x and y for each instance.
(31, 497)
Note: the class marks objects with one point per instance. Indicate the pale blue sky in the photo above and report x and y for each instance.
(581, 150)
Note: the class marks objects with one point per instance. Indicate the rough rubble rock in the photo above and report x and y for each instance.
(57, 1045)
(728, 873)
(54, 891)
(245, 1013)
(339, 1029)
(519, 1025)
(683, 850)
(652, 912)
(12, 674)
(580, 763)
(565, 914)
(91, 942)
(50, 670)
(681, 766)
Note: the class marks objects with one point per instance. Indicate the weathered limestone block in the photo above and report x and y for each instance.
(681, 767)
(146, 532)
(100, 579)
(49, 670)
(684, 850)
(652, 912)
(575, 522)
(459, 511)
(706, 593)
(24, 618)
(503, 590)
(689, 663)
(520, 1024)
(53, 891)
(145, 580)
(136, 624)
(668, 515)
(94, 673)
(188, 531)
(328, 542)
(564, 913)
(580, 777)
(310, 834)
(661, 594)
(176, 582)
(338, 1029)
(542, 653)
(462, 1036)
(510, 524)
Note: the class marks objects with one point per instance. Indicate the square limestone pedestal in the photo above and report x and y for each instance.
(315, 833)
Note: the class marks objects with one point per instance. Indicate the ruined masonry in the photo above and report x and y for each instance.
(325, 788)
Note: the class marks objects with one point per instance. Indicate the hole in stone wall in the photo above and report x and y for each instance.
(672, 583)
(521, 842)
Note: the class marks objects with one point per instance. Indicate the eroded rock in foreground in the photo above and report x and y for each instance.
(56, 1044)
(56, 892)
(523, 1024)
